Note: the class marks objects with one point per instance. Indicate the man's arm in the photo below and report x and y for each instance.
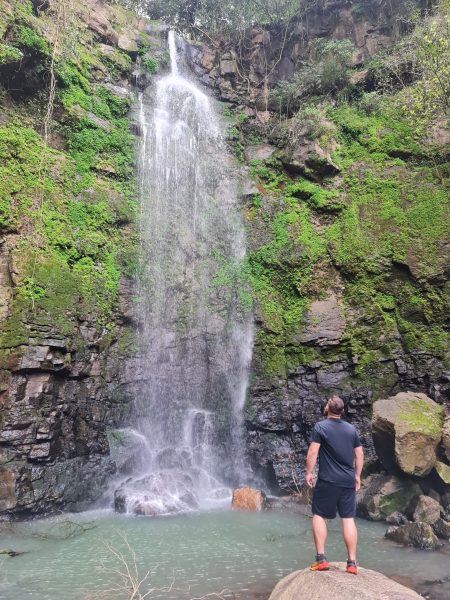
(311, 459)
(359, 461)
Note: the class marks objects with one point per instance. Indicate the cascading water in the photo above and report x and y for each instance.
(196, 334)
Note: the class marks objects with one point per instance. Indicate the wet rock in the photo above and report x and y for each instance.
(248, 499)
(259, 152)
(307, 157)
(426, 510)
(442, 529)
(407, 429)
(336, 584)
(419, 535)
(324, 323)
(396, 518)
(384, 495)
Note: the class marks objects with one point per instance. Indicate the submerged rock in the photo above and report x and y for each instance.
(407, 429)
(248, 499)
(337, 584)
(160, 493)
(419, 535)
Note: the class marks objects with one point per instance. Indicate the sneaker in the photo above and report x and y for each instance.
(320, 565)
(352, 567)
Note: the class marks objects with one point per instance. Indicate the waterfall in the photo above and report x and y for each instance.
(196, 336)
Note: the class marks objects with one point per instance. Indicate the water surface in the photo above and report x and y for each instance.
(198, 554)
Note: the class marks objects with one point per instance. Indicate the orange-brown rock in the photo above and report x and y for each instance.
(248, 499)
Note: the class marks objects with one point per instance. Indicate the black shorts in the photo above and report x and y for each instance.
(329, 498)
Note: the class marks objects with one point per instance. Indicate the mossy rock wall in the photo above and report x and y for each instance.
(68, 245)
(346, 207)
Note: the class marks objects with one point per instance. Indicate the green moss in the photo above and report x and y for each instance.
(423, 418)
(150, 65)
(30, 40)
(9, 54)
(399, 500)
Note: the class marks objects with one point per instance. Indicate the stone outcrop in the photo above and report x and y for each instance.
(336, 584)
(419, 535)
(248, 499)
(407, 429)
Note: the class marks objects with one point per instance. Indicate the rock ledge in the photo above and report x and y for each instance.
(337, 584)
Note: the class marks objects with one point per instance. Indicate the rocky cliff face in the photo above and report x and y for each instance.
(68, 245)
(347, 262)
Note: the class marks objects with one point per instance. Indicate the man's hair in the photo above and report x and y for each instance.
(336, 405)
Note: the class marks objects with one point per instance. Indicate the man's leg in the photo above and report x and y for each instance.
(319, 526)
(350, 534)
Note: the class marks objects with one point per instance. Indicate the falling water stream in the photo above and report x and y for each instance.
(196, 334)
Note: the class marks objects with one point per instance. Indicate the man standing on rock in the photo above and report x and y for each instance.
(338, 447)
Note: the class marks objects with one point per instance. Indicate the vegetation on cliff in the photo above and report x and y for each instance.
(68, 186)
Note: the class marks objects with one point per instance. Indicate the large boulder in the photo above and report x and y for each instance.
(248, 499)
(384, 495)
(419, 535)
(337, 584)
(407, 429)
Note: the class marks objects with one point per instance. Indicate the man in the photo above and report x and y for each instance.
(340, 464)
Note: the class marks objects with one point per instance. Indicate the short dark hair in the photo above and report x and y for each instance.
(336, 405)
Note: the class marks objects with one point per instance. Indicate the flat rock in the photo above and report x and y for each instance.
(338, 585)
(325, 323)
(259, 152)
(248, 499)
(407, 429)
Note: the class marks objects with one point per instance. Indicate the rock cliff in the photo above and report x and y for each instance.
(347, 257)
(67, 245)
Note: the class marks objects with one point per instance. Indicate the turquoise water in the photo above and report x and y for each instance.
(196, 554)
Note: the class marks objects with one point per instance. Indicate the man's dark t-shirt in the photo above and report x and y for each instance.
(337, 440)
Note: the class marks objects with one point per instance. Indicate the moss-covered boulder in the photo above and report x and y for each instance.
(384, 495)
(426, 510)
(407, 429)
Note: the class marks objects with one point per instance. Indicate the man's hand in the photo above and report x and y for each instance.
(357, 483)
(310, 479)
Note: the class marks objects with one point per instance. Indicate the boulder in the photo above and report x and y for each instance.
(419, 535)
(442, 529)
(384, 495)
(446, 437)
(336, 584)
(259, 152)
(406, 431)
(248, 499)
(426, 510)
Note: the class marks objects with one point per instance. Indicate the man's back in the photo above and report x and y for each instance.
(338, 440)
